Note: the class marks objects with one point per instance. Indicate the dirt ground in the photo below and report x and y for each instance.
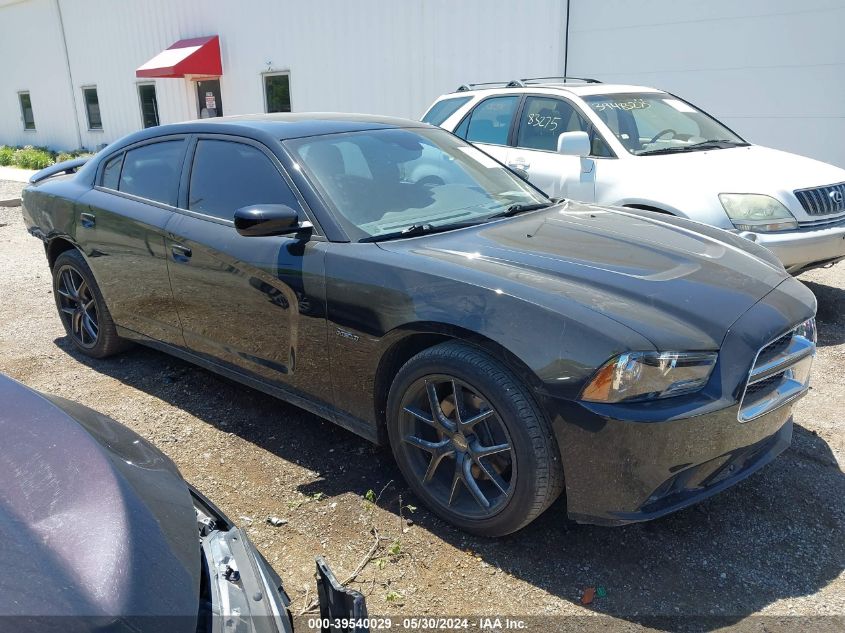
(768, 554)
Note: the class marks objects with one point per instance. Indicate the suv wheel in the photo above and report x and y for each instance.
(471, 441)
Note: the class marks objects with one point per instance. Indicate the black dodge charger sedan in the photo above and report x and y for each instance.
(401, 283)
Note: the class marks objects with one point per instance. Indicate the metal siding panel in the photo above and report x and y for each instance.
(377, 56)
(753, 64)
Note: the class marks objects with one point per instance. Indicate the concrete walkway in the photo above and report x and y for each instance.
(15, 173)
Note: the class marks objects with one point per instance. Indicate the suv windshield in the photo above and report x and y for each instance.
(384, 182)
(658, 123)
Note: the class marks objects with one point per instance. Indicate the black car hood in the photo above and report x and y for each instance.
(674, 281)
(96, 522)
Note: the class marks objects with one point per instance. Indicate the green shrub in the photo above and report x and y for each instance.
(77, 153)
(32, 157)
(6, 154)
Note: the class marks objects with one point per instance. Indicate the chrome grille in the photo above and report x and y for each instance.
(780, 373)
(823, 200)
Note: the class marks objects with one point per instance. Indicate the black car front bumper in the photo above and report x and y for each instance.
(628, 462)
(636, 471)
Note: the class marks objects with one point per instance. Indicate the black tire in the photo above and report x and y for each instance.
(518, 484)
(81, 307)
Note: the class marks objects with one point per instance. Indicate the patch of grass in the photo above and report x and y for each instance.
(30, 157)
(6, 155)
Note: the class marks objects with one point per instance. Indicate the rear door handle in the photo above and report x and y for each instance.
(180, 253)
(87, 220)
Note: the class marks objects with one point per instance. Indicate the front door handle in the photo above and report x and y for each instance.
(519, 163)
(87, 220)
(181, 253)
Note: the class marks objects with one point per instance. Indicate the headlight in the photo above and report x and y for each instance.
(808, 330)
(756, 212)
(650, 375)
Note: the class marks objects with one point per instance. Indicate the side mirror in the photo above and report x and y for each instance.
(574, 144)
(268, 219)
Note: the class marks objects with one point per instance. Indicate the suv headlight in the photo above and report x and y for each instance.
(649, 375)
(756, 212)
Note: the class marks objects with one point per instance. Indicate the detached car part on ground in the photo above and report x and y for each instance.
(644, 148)
(396, 280)
(102, 533)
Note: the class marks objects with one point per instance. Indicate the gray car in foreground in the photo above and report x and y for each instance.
(101, 533)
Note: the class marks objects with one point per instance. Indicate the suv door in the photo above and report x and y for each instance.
(541, 120)
(121, 228)
(489, 124)
(255, 305)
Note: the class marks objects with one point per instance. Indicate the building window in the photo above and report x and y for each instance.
(149, 104)
(92, 108)
(277, 92)
(26, 111)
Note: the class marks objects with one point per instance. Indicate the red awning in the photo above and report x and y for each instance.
(196, 56)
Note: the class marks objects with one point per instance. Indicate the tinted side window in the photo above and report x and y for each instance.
(544, 119)
(442, 110)
(111, 172)
(491, 120)
(227, 176)
(152, 171)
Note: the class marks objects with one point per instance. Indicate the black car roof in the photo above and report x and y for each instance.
(281, 126)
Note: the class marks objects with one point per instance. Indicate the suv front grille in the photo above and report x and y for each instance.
(823, 200)
(780, 374)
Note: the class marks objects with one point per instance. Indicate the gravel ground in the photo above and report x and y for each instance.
(754, 557)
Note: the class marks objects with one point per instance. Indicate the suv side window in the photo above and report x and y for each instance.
(152, 171)
(442, 110)
(543, 119)
(490, 121)
(227, 175)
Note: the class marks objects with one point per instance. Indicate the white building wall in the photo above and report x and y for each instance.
(376, 56)
(32, 59)
(773, 70)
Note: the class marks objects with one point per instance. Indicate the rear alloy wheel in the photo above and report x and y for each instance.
(81, 307)
(77, 307)
(470, 440)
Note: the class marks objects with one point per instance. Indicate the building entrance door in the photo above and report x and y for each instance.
(208, 99)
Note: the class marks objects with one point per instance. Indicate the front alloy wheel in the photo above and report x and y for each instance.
(460, 450)
(471, 441)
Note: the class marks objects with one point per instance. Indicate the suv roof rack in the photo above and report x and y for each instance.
(522, 83)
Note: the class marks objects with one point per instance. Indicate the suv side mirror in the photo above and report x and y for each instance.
(268, 219)
(574, 144)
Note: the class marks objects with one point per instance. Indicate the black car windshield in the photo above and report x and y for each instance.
(382, 182)
(658, 123)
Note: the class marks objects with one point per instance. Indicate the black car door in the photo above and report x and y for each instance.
(255, 305)
(121, 229)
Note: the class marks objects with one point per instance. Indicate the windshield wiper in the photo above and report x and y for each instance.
(516, 209)
(418, 229)
(692, 147)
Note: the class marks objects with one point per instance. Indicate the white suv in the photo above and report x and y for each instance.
(648, 149)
